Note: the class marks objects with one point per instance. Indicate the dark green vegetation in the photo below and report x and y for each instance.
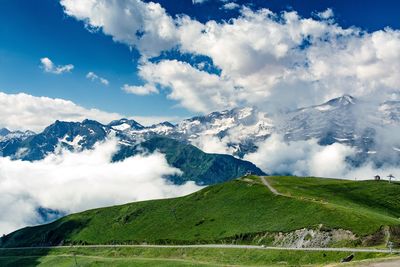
(171, 257)
(239, 211)
(203, 168)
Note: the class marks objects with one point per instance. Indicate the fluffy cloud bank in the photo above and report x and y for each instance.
(308, 158)
(48, 66)
(262, 57)
(72, 182)
(27, 112)
(133, 22)
(301, 158)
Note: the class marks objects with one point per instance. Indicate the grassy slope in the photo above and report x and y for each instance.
(367, 196)
(203, 168)
(225, 211)
(172, 257)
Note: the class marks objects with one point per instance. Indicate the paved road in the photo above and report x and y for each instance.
(214, 246)
(267, 184)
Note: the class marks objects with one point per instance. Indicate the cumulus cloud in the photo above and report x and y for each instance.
(327, 14)
(94, 77)
(48, 66)
(265, 59)
(76, 181)
(212, 144)
(140, 90)
(26, 112)
(193, 88)
(301, 158)
(308, 158)
(146, 26)
(230, 6)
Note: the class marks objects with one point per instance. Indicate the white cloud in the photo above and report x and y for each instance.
(230, 6)
(258, 52)
(140, 90)
(48, 66)
(266, 59)
(327, 14)
(93, 77)
(144, 25)
(26, 112)
(75, 182)
(298, 158)
(212, 144)
(193, 88)
(292, 61)
(308, 158)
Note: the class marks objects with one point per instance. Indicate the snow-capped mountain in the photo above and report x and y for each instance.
(237, 127)
(344, 120)
(244, 121)
(6, 134)
(333, 121)
(70, 135)
(77, 136)
(125, 124)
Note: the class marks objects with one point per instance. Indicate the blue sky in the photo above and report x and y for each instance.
(30, 31)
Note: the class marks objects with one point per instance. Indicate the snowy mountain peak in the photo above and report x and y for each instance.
(336, 103)
(6, 134)
(242, 113)
(4, 131)
(342, 101)
(240, 129)
(125, 124)
(164, 124)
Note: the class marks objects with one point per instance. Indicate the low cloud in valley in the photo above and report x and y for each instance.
(76, 181)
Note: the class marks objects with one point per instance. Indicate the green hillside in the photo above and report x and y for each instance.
(242, 210)
(196, 165)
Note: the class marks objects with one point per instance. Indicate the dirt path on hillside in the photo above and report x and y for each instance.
(267, 184)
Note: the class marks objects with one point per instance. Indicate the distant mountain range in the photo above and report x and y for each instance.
(344, 120)
(197, 166)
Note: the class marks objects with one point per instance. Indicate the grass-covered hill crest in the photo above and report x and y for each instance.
(302, 212)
